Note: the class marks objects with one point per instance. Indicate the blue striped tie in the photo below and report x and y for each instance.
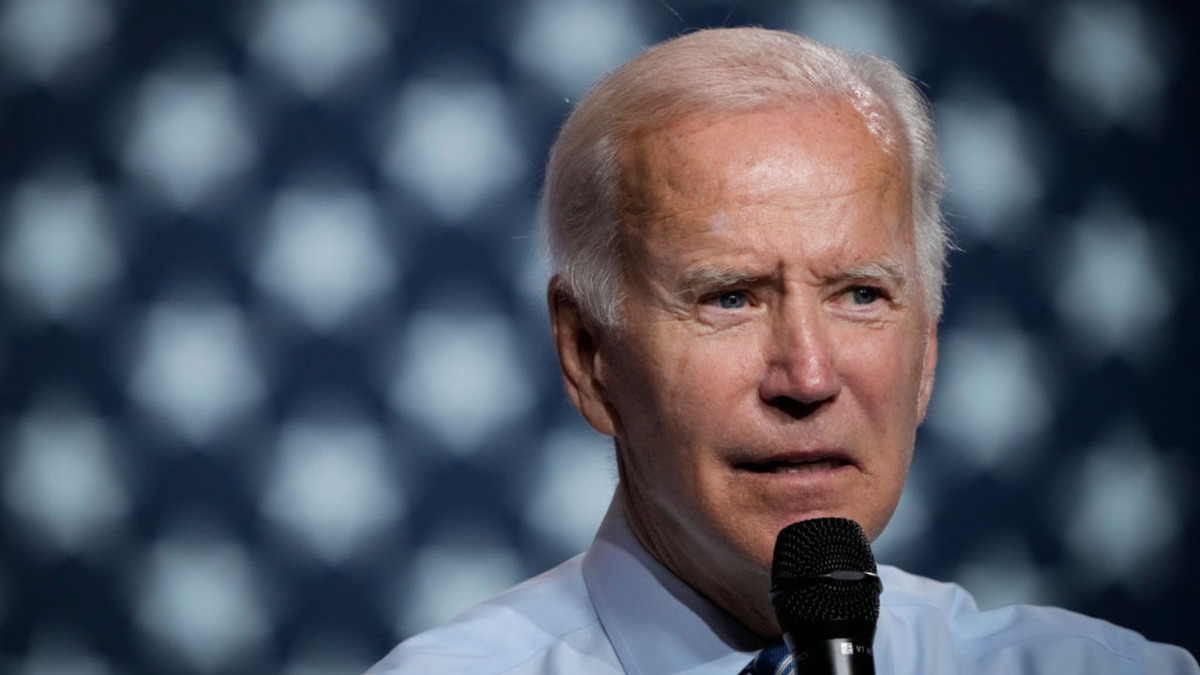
(774, 660)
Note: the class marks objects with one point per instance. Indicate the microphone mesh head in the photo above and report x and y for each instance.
(807, 551)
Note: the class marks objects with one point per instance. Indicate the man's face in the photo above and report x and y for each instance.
(775, 355)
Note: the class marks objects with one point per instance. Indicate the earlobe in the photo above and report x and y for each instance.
(579, 357)
(927, 372)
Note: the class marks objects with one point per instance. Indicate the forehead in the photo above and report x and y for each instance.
(803, 154)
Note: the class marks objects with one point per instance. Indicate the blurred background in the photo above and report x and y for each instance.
(276, 385)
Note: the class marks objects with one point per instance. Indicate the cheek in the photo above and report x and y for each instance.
(646, 390)
(886, 371)
(686, 396)
(712, 380)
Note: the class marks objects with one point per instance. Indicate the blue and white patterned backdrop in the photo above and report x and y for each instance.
(277, 388)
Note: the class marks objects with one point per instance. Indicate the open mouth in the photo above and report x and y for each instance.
(790, 466)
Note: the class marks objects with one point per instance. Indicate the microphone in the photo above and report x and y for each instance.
(825, 590)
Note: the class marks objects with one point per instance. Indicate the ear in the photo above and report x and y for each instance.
(927, 370)
(579, 357)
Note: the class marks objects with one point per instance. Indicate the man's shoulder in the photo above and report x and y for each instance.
(944, 618)
(953, 609)
(549, 617)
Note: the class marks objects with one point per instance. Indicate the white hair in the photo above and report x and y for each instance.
(721, 70)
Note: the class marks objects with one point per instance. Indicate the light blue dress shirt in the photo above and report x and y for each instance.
(616, 610)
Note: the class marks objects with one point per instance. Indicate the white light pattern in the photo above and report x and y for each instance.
(195, 368)
(330, 485)
(575, 484)
(188, 129)
(324, 255)
(453, 143)
(201, 603)
(1122, 524)
(59, 253)
(861, 25)
(189, 135)
(42, 39)
(61, 479)
(992, 398)
(317, 44)
(991, 165)
(1104, 60)
(1111, 287)
(1003, 572)
(450, 576)
(463, 376)
(571, 43)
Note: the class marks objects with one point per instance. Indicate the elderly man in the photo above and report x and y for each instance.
(748, 250)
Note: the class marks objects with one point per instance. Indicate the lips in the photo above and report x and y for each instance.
(783, 464)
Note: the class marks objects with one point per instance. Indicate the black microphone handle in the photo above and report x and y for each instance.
(831, 656)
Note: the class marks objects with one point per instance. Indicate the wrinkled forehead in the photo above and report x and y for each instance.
(713, 161)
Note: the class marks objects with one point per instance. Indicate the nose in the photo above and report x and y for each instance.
(801, 373)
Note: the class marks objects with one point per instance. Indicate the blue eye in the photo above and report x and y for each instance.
(732, 300)
(864, 295)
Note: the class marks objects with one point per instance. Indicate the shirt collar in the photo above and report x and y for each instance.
(658, 625)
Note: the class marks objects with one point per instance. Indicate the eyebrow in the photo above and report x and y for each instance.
(883, 270)
(714, 277)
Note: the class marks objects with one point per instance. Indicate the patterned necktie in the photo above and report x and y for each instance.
(774, 660)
